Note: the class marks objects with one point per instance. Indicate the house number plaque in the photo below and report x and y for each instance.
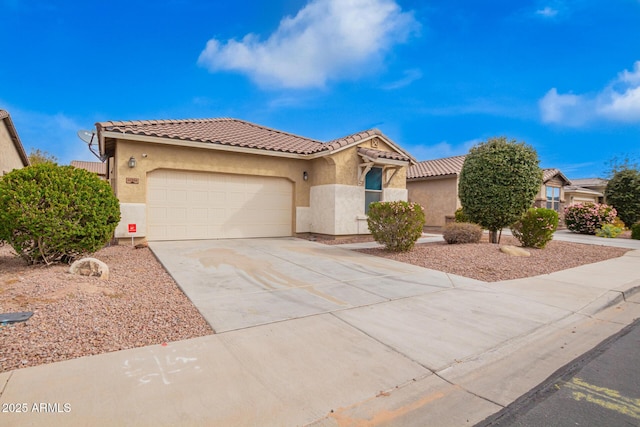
(133, 180)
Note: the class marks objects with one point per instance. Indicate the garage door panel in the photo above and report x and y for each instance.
(195, 205)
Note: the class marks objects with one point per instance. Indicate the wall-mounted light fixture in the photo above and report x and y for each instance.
(305, 176)
(132, 162)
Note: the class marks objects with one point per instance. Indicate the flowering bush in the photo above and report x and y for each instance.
(586, 218)
(536, 227)
(396, 225)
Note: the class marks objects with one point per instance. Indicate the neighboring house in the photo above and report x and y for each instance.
(586, 190)
(228, 178)
(98, 168)
(12, 154)
(434, 184)
(551, 194)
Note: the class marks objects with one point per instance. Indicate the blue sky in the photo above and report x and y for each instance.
(436, 76)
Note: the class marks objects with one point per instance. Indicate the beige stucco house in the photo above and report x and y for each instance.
(586, 190)
(12, 154)
(228, 178)
(552, 191)
(434, 184)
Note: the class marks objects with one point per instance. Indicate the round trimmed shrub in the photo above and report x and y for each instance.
(536, 227)
(586, 218)
(462, 232)
(635, 231)
(51, 213)
(396, 225)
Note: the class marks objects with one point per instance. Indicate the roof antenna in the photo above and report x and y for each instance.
(90, 138)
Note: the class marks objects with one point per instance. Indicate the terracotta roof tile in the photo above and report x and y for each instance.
(438, 167)
(224, 131)
(95, 167)
(239, 133)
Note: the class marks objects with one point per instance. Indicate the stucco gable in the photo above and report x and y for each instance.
(5, 119)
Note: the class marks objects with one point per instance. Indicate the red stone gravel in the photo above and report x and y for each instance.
(484, 261)
(77, 316)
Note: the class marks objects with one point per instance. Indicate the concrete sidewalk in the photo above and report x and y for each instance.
(445, 358)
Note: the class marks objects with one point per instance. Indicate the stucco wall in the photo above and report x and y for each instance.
(9, 157)
(342, 167)
(438, 197)
(329, 202)
(194, 159)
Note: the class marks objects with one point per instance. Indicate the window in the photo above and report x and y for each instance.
(553, 198)
(372, 187)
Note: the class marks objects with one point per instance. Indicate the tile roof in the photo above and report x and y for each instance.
(438, 167)
(548, 174)
(4, 116)
(379, 154)
(589, 182)
(233, 132)
(223, 131)
(578, 189)
(95, 167)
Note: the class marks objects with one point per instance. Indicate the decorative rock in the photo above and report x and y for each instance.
(514, 251)
(90, 267)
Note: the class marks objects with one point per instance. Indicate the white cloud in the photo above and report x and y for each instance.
(618, 102)
(547, 12)
(410, 76)
(327, 39)
(442, 149)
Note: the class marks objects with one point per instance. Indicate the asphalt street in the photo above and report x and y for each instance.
(600, 388)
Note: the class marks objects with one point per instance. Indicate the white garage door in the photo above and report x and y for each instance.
(195, 205)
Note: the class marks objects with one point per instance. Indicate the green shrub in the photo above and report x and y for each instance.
(536, 227)
(51, 213)
(586, 218)
(635, 231)
(609, 231)
(396, 225)
(460, 216)
(462, 232)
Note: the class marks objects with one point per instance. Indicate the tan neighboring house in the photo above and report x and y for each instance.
(98, 168)
(228, 178)
(586, 190)
(552, 194)
(434, 184)
(12, 154)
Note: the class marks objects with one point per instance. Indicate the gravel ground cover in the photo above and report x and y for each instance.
(75, 316)
(141, 305)
(484, 261)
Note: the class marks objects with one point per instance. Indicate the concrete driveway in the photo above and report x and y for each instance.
(247, 282)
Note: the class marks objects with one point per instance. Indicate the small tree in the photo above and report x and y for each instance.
(623, 193)
(498, 183)
(37, 156)
(51, 213)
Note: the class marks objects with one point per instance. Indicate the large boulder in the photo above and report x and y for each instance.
(90, 267)
(514, 251)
